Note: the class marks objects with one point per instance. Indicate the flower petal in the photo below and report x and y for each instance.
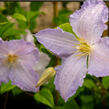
(19, 47)
(30, 58)
(99, 58)
(4, 72)
(3, 49)
(28, 37)
(88, 22)
(24, 77)
(69, 75)
(42, 63)
(26, 51)
(59, 42)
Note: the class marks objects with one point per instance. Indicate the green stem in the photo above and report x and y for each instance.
(57, 97)
(6, 100)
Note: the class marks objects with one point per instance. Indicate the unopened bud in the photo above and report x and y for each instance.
(46, 75)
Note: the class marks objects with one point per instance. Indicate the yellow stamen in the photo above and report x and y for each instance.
(12, 58)
(83, 47)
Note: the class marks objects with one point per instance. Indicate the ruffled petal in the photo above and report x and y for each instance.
(88, 22)
(24, 77)
(69, 75)
(99, 58)
(59, 42)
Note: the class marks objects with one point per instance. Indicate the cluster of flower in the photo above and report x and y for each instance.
(22, 63)
(86, 51)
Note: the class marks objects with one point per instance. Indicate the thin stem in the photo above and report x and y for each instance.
(29, 94)
(6, 100)
(55, 9)
(57, 97)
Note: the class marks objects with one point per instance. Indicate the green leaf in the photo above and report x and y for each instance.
(63, 17)
(31, 17)
(66, 27)
(11, 32)
(57, 107)
(35, 6)
(22, 24)
(86, 98)
(105, 82)
(86, 106)
(11, 7)
(6, 87)
(45, 97)
(3, 19)
(88, 83)
(50, 85)
(5, 27)
(19, 16)
(80, 89)
(71, 104)
(86, 101)
(68, 105)
(16, 91)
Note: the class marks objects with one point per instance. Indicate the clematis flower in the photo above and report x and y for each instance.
(42, 63)
(43, 58)
(17, 59)
(76, 50)
(40, 67)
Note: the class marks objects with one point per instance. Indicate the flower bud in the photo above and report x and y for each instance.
(46, 75)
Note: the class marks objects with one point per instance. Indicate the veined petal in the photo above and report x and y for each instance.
(24, 77)
(30, 58)
(4, 72)
(59, 42)
(3, 50)
(19, 47)
(25, 51)
(69, 75)
(99, 58)
(88, 22)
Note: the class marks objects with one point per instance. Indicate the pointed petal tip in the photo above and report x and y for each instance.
(24, 77)
(69, 78)
(57, 41)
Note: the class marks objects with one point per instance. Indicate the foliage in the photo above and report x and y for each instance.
(63, 17)
(6, 87)
(45, 97)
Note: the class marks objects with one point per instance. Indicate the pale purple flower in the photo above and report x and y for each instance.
(88, 25)
(42, 63)
(17, 59)
(44, 59)
(28, 37)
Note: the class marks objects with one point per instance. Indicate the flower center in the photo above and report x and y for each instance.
(83, 47)
(12, 58)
